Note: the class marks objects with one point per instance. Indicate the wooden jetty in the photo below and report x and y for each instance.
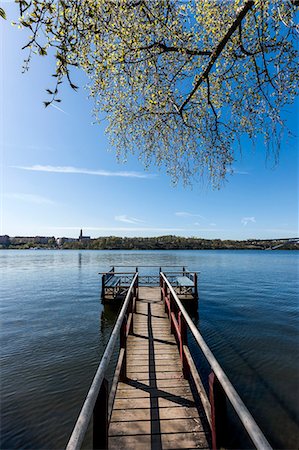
(154, 406)
(157, 398)
(115, 282)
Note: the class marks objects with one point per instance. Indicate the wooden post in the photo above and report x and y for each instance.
(195, 285)
(100, 418)
(183, 341)
(103, 287)
(123, 344)
(134, 305)
(137, 288)
(171, 308)
(132, 310)
(218, 413)
(165, 295)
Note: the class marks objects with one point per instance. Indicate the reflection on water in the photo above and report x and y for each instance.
(54, 330)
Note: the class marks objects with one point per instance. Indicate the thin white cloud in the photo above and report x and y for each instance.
(126, 219)
(213, 224)
(187, 214)
(82, 171)
(239, 172)
(30, 198)
(246, 220)
(59, 109)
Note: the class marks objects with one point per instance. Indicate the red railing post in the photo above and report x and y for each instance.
(183, 341)
(218, 413)
(100, 418)
(171, 309)
(165, 295)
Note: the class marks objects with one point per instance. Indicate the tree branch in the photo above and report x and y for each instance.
(218, 49)
(166, 48)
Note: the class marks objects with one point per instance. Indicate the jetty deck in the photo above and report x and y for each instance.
(158, 397)
(154, 407)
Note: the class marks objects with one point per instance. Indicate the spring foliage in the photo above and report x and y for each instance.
(179, 82)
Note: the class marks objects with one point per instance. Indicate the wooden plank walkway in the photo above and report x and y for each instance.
(154, 409)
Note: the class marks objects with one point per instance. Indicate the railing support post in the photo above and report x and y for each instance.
(100, 418)
(123, 344)
(195, 285)
(171, 309)
(131, 309)
(183, 341)
(137, 288)
(165, 295)
(103, 287)
(218, 413)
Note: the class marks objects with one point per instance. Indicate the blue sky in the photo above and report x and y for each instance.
(59, 174)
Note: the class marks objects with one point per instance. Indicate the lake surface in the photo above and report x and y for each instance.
(54, 330)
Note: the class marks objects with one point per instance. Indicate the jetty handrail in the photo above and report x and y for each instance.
(244, 415)
(116, 273)
(85, 415)
(181, 271)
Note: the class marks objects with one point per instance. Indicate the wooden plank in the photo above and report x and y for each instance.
(170, 382)
(123, 415)
(191, 425)
(154, 368)
(153, 392)
(167, 441)
(158, 376)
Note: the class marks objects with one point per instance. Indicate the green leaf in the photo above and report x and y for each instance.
(42, 51)
(2, 13)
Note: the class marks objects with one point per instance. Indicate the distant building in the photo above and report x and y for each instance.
(61, 240)
(4, 240)
(21, 240)
(83, 238)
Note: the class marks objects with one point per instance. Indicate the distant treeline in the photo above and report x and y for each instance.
(155, 243)
(170, 243)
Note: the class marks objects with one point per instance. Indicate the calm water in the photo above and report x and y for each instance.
(54, 330)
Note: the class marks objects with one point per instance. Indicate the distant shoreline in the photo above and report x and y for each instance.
(143, 249)
(147, 243)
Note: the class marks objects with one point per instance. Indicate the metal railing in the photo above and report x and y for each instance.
(125, 278)
(220, 387)
(99, 400)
